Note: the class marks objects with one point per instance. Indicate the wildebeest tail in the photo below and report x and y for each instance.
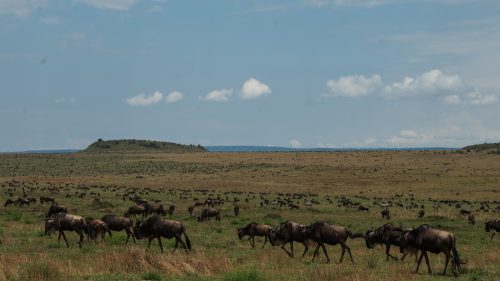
(188, 242)
(457, 262)
(354, 235)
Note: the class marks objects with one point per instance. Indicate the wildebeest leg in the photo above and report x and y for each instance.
(403, 257)
(59, 238)
(265, 241)
(447, 254)
(388, 252)
(349, 251)
(149, 241)
(159, 243)
(61, 233)
(343, 252)
(178, 240)
(494, 232)
(316, 251)
(427, 262)
(306, 247)
(419, 260)
(326, 254)
(286, 251)
(81, 239)
(252, 241)
(291, 247)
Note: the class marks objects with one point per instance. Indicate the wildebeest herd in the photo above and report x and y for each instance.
(145, 220)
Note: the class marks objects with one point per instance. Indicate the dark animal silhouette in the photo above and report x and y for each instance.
(157, 227)
(94, 228)
(208, 213)
(427, 239)
(55, 209)
(62, 221)
(236, 210)
(255, 229)
(386, 214)
(387, 235)
(289, 232)
(492, 225)
(117, 223)
(9, 202)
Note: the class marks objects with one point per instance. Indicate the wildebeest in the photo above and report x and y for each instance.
(117, 223)
(427, 239)
(62, 221)
(157, 227)
(289, 232)
(492, 225)
(236, 210)
(8, 202)
(386, 214)
(255, 229)
(208, 213)
(363, 208)
(44, 199)
(387, 235)
(55, 209)
(94, 227)
(137, 210)
(472, 219)
(323, 233)
(421, 214)
(190, 210)
(171, 209)
(158, 209)
(22, 201)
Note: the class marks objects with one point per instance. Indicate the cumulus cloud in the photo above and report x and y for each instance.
(253, 88)
(174, 97)
(20, 8)
(219, 95)
(477, 98)
(117, 5)
(452, 99)
(433, 82)
(295, 143)
(353, 86)
(145, 100)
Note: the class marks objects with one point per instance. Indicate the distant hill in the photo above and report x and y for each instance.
(141, 146)
(490, 147)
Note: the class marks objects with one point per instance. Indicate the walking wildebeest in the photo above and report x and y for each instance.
(137, 210)
(44, 199)
(117, 223)
(255, 229)
(289, 232)
(386, 214)
(387, 235)
(190, 210)
(492, 225)
(427, 239)
(157, 227)
(8, 202)
(63, 221)
(472, 219)
(421, 214)
(22, 201)
(94, 227)
(236, 210)
(171, 209)
(208, 213)
(158, 209)
(55, 209)
(323, 233)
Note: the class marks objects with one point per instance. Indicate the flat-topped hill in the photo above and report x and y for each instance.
(132, 145)
(491, 147)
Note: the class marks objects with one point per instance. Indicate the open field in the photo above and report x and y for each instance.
(26, 254)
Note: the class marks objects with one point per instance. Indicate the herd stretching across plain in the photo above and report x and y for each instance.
(150, 223)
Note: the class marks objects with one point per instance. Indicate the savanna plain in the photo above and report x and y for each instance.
(95, 184)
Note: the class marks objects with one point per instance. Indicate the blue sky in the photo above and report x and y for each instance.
(300, 73)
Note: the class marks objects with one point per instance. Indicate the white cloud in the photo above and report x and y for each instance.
(452, 99)
(253, 88)
(477, 98)
(295, 143)
(118, 5)
(20, 8)
(219, 95)
(143, 100)
(353, 86)
(174, 97)
(52, 20)
(433, 82)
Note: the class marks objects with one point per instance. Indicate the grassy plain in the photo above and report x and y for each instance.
(26, 254)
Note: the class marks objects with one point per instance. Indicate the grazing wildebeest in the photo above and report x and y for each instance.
(255, 229)
(421, 214)
(32, 200)
(117, 223)
(492, 225)
(323, 233)
(8, 202)
(171, 209)
(63, 221)
(236, 210)
(157, 227)
(386, 214)
(363, 208)
(289, 232)
(427, 239)
(55, 209)
(190, 210)
(94, 227)
(208, 213)
(387, 235)
(137, 210)
(465, 212)
(158, 209)
(44, 199)
(22, 201)
(472, 219)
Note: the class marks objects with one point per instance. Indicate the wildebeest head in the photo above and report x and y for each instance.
(370, 239)
(49, 226)
(488, 226)
(139, 231)
(241, 233)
